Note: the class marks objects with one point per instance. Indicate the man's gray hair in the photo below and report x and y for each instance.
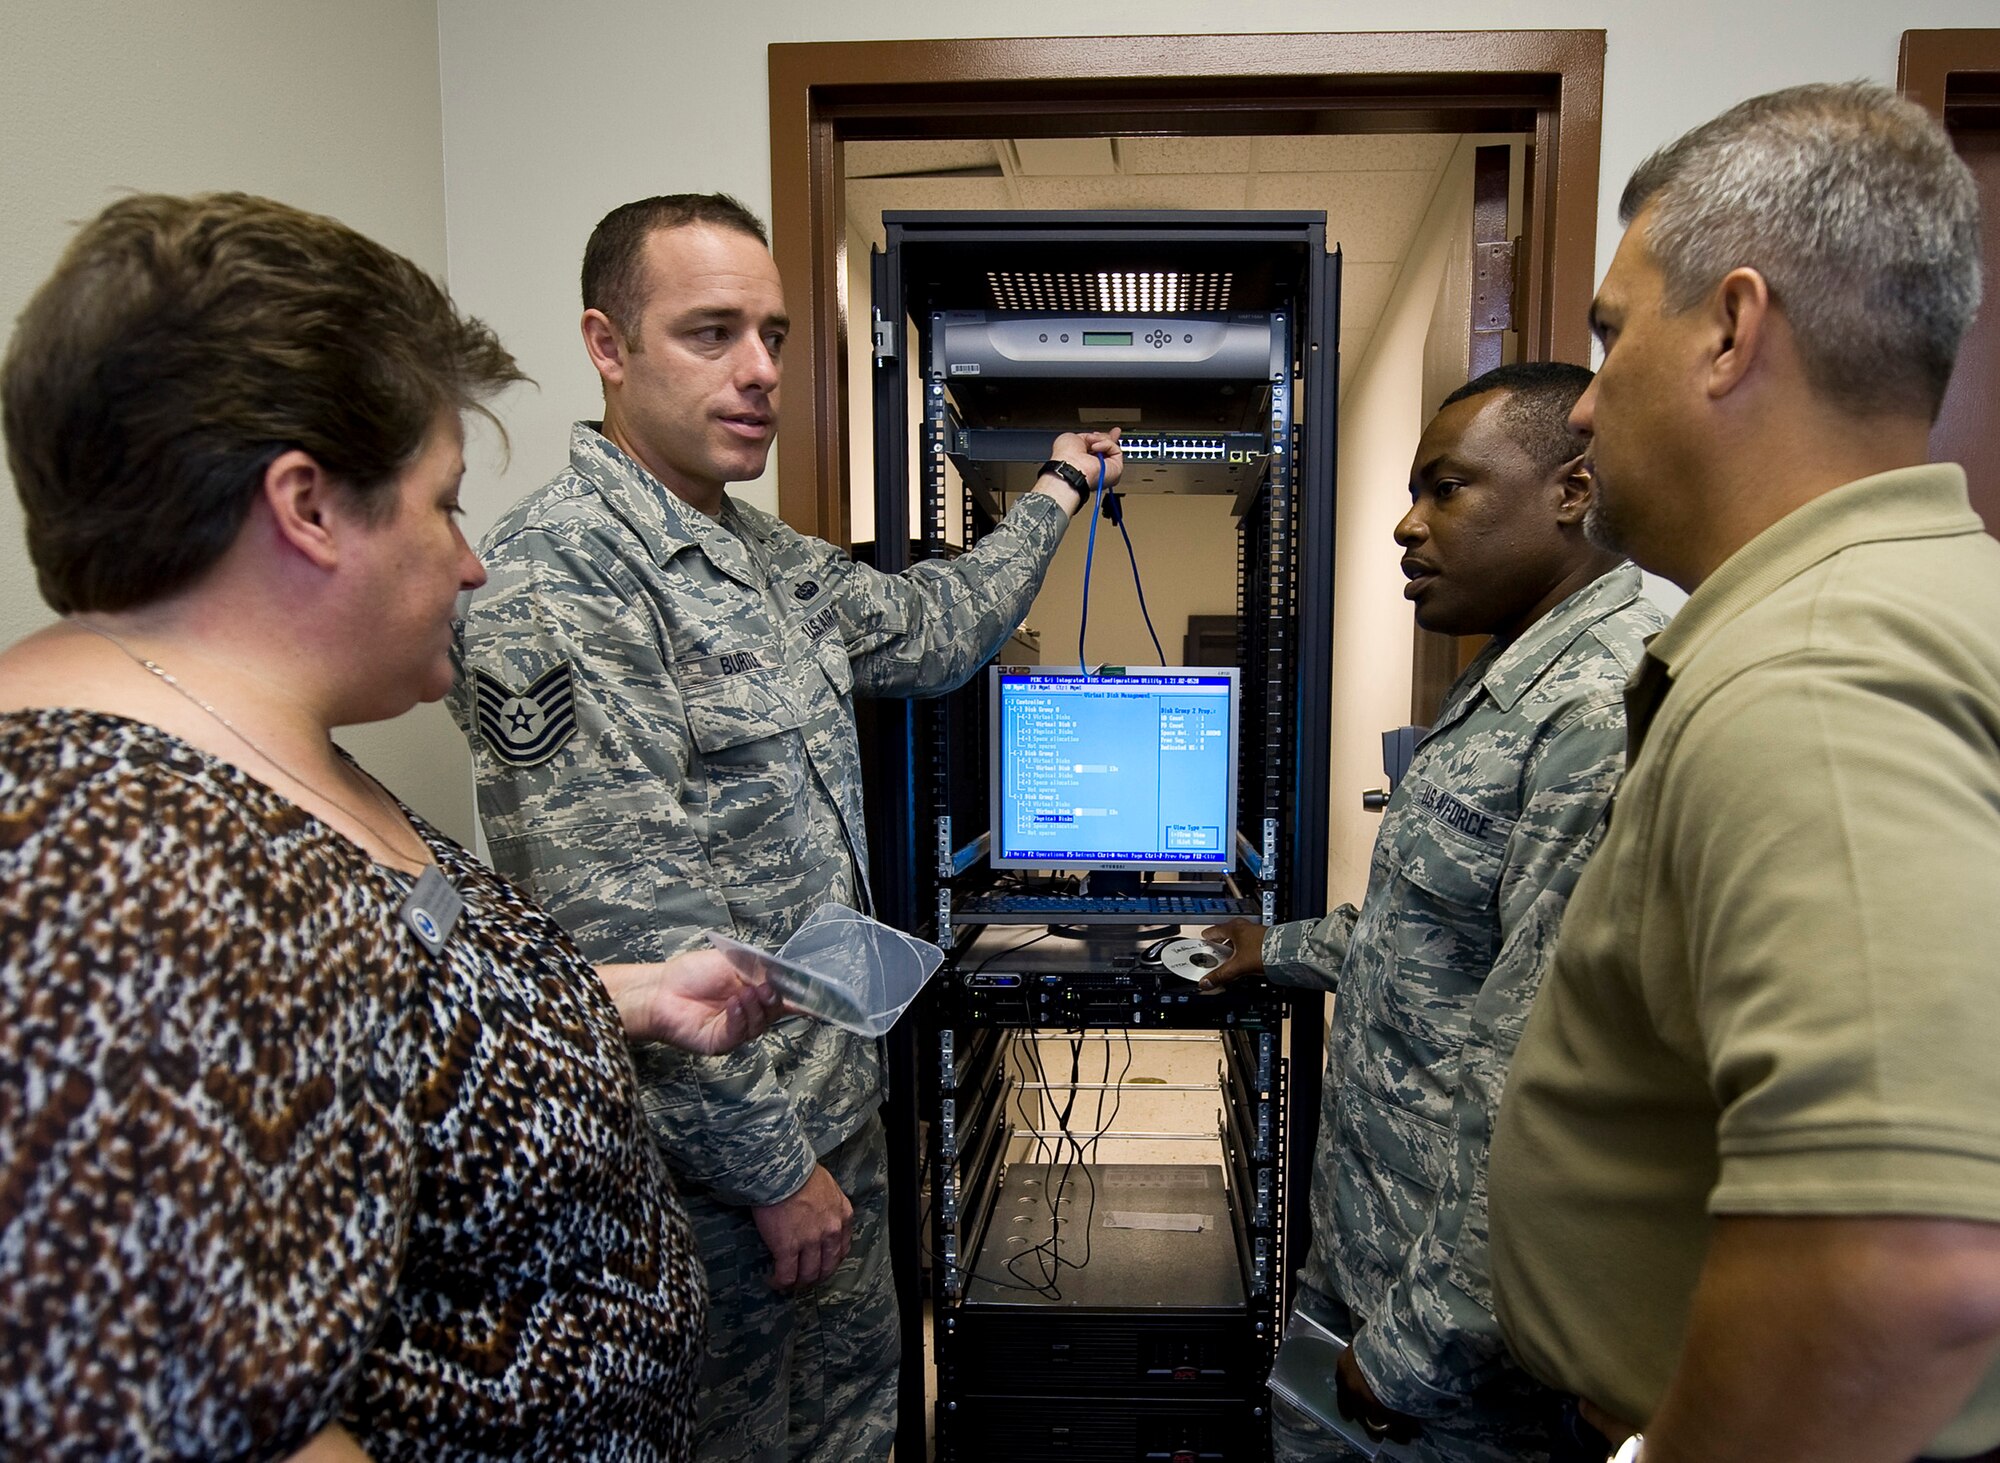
(1853, 206)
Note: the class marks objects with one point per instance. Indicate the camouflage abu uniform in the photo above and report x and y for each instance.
(1479, 849)
(659, 705)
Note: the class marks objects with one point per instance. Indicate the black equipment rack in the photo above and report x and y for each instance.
(1110, 1371)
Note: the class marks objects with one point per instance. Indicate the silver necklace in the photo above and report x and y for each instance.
(434, 903)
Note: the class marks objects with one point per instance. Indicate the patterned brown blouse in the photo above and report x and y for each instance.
(266, 1163)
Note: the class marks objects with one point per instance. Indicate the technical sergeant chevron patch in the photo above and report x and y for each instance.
(525, 728)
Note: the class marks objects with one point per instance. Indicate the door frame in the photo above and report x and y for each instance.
(1548, 84)
(1928, 60)
(1955, 76)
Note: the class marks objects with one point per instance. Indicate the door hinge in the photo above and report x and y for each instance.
(1493, 286)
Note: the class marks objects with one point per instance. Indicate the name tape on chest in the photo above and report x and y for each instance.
(525, 728)
(712, 668)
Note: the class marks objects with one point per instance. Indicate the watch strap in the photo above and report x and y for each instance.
(1057, 467)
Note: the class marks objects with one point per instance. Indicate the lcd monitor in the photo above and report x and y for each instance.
(1132, 770)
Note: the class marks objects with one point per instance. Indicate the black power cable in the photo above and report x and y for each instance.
(1114, 510)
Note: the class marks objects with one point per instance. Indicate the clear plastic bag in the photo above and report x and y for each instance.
(843, 967)
(1302, 1380)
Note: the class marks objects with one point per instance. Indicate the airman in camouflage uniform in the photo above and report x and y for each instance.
(658, 692)
(1479, 848)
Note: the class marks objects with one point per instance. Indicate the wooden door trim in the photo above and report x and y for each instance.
(1955, 76)
(1549, 84)
(1929, 58)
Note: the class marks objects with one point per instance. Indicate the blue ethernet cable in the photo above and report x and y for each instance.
(1117, 516)
(1089, 553)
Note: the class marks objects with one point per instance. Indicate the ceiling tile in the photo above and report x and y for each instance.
(1370, 153)
(1154, 190)
(1185, 154)
(869, 198)
(1372, 216)
(1061, 157)
(885, 159)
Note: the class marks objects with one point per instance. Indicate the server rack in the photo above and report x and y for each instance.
(1114, 1365)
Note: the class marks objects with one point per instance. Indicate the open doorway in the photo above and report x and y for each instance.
(1546, 85)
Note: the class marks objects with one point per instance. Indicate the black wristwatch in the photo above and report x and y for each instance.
(1061, 469)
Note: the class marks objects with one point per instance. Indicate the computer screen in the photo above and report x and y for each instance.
(1135, 770)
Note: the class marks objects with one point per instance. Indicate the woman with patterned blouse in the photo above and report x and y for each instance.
(317, 1139)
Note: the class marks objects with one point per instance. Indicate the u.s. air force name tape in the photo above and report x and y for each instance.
(527, 727)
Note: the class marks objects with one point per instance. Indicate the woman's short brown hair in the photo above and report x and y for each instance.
(180, 346)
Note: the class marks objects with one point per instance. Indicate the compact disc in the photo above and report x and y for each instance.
(1193, 958)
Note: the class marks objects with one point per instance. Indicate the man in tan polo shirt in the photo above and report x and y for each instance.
(1745, 1187)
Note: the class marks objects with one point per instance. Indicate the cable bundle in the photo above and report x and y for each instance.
(1107, 505)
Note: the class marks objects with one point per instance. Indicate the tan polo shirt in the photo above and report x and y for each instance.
(1778, 987)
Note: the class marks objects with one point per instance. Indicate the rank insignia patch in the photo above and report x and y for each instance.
(525, 728)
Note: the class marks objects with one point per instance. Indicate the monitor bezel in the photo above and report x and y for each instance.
(1225, 864)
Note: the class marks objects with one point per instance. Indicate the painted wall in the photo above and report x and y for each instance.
(333, 108)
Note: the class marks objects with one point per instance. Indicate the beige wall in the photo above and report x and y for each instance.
(331, 107)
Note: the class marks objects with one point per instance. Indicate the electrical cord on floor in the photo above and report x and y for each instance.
(1105, 1124)
(968, 1273)
(1047, 1288)
(1083, 1152)
(1049, 1158)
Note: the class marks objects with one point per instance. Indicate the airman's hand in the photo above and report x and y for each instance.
(1245, 938)
(1084, 451)
(1359, 1403)
(808, 1234)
